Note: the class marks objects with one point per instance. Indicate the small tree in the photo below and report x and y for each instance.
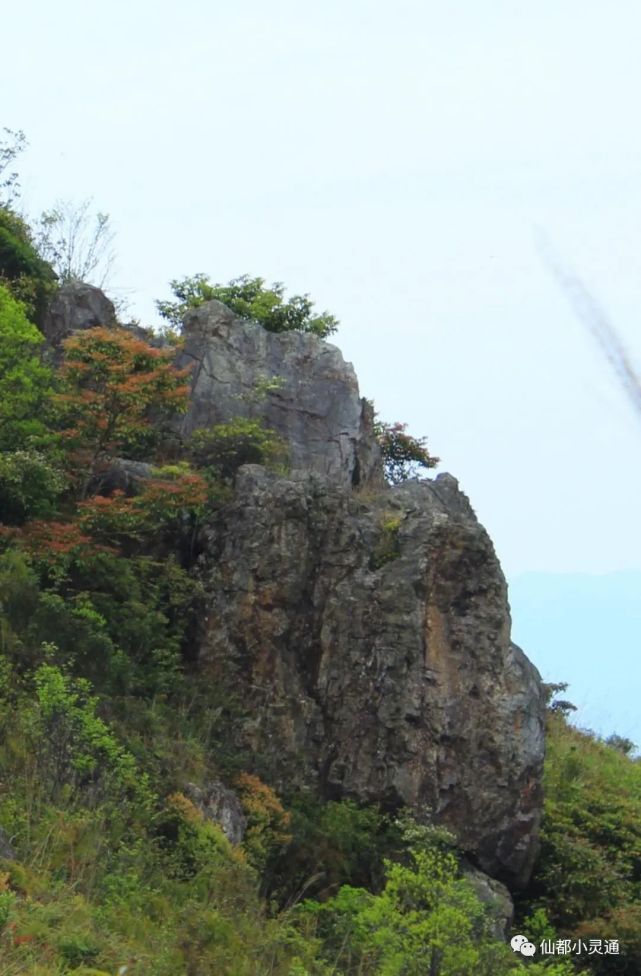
(224, 448)
(426, 921)
(12, 143)
(404, 456)
(117, 391)
(76, 242)
(250, 298)
(30, 484)
(621, 743)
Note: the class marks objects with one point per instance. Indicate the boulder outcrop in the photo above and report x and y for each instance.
(365, 629)
(220, 805)
(76, 306)
(310, 394)
(368, 635)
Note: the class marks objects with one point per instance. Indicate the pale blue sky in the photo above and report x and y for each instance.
(393, 161)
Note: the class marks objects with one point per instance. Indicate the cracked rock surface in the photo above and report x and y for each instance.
(76, 306)
(368, 637)
(364, 630)
(314, 404)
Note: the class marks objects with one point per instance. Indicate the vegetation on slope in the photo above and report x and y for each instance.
(588, 875)
(249, 298)
(106, 861)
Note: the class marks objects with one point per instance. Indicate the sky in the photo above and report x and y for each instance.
(583, 630)
(398, 163)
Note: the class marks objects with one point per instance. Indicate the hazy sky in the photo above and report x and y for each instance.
(393, 161)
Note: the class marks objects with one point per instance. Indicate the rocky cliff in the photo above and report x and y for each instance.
(369, 638)
(365, 629)
(311, 400)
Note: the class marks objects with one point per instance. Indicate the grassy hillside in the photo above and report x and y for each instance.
(107, 865)
(588, 876)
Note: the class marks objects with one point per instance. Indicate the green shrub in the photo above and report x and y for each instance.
(30, 485)
(387, 547)
(25, 383)
(7, 898)
(19, 596)
(30, 279)
(332, 843)
(125, 623)
(426, 919)
(75, 950)
(222, 449)
(588, 873)
(74, 747)
(249, 298)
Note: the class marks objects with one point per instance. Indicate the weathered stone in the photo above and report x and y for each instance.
(75, 306)
(496, 897)
(6, 850)
(366, 632)
(123, 475)
(314, 405)
(222, 806)
(389, 679)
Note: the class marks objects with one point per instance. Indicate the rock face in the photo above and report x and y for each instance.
(76, 306)
(366, 632)
(497, 900)
(221, 805)
(123, 475)
(368, 635)
(314, 403)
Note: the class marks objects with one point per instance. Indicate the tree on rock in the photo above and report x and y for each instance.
(249, 298)
(404, 456)
(118, 391)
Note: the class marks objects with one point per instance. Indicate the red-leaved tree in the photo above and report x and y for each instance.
(404, 456)
(117, 392)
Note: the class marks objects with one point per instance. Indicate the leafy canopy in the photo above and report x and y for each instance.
(117, 391)
(404, 456)
(223, 448)
(25, 383)
(29, 278)
(427, 920)
(250, 298)
(30, 484)
(587, 875)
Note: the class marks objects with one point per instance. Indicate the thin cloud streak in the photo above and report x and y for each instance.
(592, 315)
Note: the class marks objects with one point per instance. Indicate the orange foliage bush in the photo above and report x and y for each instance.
(117, 389)
(267, 820)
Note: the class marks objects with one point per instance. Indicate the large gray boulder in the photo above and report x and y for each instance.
(315, 403)
(496, 898)
(75, 306)
(368, 635)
